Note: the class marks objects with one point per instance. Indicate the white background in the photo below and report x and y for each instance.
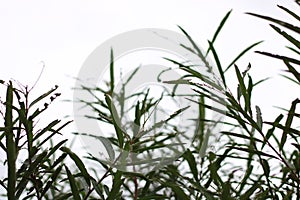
(63, 33)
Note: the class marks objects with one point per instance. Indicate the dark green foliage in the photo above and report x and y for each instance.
(254, 158)
(39, 173)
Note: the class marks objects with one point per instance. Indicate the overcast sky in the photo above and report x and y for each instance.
(62, 34)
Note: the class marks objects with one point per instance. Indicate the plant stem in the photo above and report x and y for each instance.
(135, 188)
(10, 144)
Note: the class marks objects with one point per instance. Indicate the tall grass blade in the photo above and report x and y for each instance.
(291, 79)
(288, 123)
(291, 60)
(49, 127)
(51, 183)
(241, 54)
(250, 191)
(292, 70)
(43, 96)
(290, 38)
(256, 152)
(73, 185)
(246, 178)
(293, 50)
(111, 71)
(10, 144)
(221, 25)
(79, 164)
(57, 146)
(189, 157)
(259, 119)
(98, 189)
(107, 144)
(239, 135)
(216, 57)
(290, 12)
(266, 167)
(117, 182)
(116, 120)
(279, 22)
(40, 158)
(198, 51)
(270, 132)
(179, 193)
(54, 132)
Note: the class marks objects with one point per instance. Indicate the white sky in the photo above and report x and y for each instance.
(63, 33)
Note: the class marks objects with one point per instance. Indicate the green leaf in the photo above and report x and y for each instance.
(179, 193)
(260, 153)
(107, 144)
(198, 50)
(288, 123)
(111, 71)
(250, 191)
(59, 160)
(189, 157)
(214, 169)
(293, 50)
(241, 54)
(241, 81)
(196, 74)
(40, 158)
(98, 189)
(290, 79)
(153, 196)
(201, 126)
(63, 196)
(266, 167)
(290, 12)
(117, 182)
(297, 146)
(47, 128)
(287, 36)
(242, 89)
(279, 22)
(241, 136)
(73, 185)
(57, 131)
(292, 70)
(178, 81)
(51, 183)
(290, 60)
(260, 81)
(78, 163)
(116, 120)
(249, 91)
(221, 25)
(206, 193)
(291, 131)
(57, 146)
(226, 190)
(43, 96)
(216, 57)
(246, 178)
(259, 119)
(270, 132)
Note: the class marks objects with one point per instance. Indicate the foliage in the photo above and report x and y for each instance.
(255, 159)
(33, 170)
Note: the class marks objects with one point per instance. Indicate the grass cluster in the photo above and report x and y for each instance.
(256, 159)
